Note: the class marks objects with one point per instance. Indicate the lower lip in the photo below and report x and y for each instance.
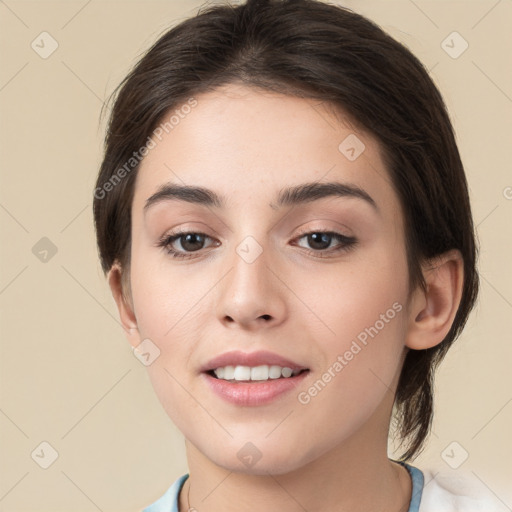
(253, 393)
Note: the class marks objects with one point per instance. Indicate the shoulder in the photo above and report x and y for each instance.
(169, 501)
(457, 492)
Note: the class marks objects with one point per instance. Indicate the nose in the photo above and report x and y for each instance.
(252, 295)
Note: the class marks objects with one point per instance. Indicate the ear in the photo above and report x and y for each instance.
(126, 314)
(431, 313)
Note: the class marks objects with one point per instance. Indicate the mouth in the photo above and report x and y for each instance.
(237, 365)
(246, 386)
(262, 373)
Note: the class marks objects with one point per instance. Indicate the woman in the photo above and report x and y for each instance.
(284, 220)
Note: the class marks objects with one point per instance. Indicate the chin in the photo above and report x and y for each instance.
(262, 468)
(256, 458)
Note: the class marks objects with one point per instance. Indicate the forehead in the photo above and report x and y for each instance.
(249, 143)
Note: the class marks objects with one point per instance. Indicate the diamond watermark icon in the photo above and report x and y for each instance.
(146, 352)
(454, 45)
(352, 147)
(44, 45)
(44, 455)
(249, 249)
(44, 250)
(454, 455)
(249, 454)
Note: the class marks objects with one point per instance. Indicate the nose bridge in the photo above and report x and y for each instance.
(252, 248)
(250, 261)
(249, 292)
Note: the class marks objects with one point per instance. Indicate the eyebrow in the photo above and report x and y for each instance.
(291, 196)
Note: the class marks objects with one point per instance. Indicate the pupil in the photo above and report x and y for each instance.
(188, 238)
(319, 238)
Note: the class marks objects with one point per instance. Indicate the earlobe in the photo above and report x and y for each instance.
(126, 314)
(432, 311)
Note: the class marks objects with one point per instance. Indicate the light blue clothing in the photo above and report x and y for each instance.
(169, 501)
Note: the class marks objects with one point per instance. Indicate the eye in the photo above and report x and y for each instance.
(320, 242)
(190, 242)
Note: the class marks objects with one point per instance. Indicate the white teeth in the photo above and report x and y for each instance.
(229, 372)
(263, 372)
(242, 373)
(287, 372)
(274, 372)
(259, 373)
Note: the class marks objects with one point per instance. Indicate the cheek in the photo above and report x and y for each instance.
(166, 299)
(167, 306)
(361, 314)
(349, 297)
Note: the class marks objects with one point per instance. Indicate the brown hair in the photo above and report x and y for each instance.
(310, 49)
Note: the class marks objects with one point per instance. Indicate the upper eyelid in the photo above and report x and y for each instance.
(345, 230)
(177, 234)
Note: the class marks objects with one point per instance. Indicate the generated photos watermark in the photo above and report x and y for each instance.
(357, 345)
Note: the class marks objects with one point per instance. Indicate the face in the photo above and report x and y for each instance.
(318, 278)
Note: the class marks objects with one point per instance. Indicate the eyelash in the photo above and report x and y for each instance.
(346, 243)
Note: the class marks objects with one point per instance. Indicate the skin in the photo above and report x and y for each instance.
(328, 454)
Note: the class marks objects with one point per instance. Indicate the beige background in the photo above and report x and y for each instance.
(68, 377)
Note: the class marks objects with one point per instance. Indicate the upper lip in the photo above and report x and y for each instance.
(238, 358)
